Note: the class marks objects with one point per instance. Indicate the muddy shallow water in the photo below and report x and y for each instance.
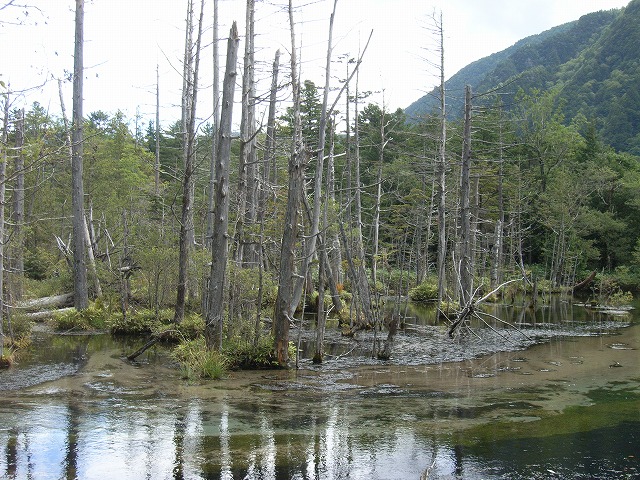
(492, 406)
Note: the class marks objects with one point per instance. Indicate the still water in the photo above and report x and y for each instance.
(561, 402)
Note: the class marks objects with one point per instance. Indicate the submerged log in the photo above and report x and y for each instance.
(155, 338)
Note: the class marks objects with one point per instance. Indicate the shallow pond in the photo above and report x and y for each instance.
(558, 399)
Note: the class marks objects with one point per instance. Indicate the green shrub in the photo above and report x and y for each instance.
(192, 327)
(243, 354)
(20, 329)
(39, 263)
(198, 362)
(425, 292)
(619, 298)
(93, 317)
(134, 323)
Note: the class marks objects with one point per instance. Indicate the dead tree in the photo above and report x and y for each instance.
(87, 238)
(216, 123)
(219, 234)
(470, 310)
(283, 312)
(269, 171)
(81, 294)
(3, 178)
(186, 240)
(441, 168)
(465, 272)
(17, 266)
(156, 165)
(244, 249)
(310, 244)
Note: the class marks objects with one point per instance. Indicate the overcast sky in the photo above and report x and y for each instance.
(125, 39)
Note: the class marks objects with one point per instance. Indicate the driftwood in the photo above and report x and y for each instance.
(585, 282)
(470, 310)
(44, 303)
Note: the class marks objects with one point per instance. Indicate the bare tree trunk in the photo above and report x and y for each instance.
(3, 178)
(360, 279)
(496, 267)
(376, 214)
(246, 163)
(125, 271)
(91, 259)
(441, 173)
(268, 171)
(321, 318)
(186, 223)
(335, 258)
(219, 236)
(81, 294)
(465, 270)
(310, 244)
(216, 123)
(333, 262)
(156, 166)
(18, 212)
(283, 313)
(85, 228)
(270, 141)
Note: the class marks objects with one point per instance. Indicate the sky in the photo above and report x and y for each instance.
(126, 39)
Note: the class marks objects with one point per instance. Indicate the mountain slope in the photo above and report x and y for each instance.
(593, 62)
(603, 82)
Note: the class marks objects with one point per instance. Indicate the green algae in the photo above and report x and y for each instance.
(610, 407)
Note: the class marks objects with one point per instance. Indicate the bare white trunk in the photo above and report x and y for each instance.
(3, 178)
(441, 169)
(81, 299)
(216, 123)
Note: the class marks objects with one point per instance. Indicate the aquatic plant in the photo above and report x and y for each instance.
(95, 317)
(247, 355)
(198, 362)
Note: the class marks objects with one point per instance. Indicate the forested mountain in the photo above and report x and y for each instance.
(592, 64)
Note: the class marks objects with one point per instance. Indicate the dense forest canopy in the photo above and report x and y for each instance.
(553, 189)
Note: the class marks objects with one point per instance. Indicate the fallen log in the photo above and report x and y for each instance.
(45, 314)
(44, 303)
(585, 282)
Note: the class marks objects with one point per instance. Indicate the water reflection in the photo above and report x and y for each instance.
(568, 408)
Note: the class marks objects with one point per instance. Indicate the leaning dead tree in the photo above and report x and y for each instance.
(310, 243)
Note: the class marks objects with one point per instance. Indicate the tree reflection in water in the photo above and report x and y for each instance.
(500, 415)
